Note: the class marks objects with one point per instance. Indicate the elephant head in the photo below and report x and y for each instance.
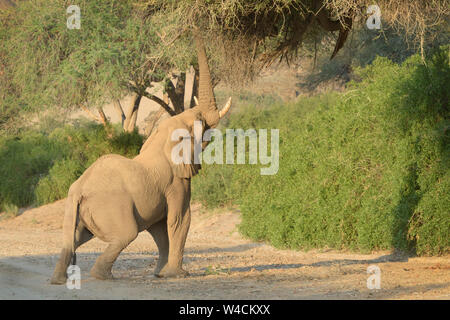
(166, 137)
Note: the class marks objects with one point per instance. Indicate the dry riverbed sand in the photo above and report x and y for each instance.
(222, 265)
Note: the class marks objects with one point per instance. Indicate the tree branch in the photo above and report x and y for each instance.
(118, 107)
(102, 117)
(175, 95)
(89, 112)
(160, 102)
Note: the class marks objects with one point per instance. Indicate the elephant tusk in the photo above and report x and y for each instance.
(196, 101)
(225, 109)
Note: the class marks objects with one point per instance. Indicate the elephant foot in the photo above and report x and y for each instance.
(101, 273)
(168, 272)
(58, 278)
(159, 267)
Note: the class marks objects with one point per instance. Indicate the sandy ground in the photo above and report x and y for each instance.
(221, 263)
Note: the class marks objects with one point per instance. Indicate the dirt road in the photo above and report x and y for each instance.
(221, 263)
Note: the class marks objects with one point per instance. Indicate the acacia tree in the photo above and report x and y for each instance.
(126, 46)
(117, 51)
(245, 36)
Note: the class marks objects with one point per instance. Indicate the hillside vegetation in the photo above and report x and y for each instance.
(38, 167)
(363, 170)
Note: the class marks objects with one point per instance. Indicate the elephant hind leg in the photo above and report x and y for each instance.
(60, 273)
(161, 237)
(103, 265)
(116, 225)
(82, 235)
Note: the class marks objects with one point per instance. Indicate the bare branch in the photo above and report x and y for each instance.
(160, 102)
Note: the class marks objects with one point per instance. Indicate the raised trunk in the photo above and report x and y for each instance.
(206, 99)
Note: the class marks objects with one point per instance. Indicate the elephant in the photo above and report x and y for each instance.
(116, 198)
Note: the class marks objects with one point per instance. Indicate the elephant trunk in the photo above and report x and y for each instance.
(206, 100)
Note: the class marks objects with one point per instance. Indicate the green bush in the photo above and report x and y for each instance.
(37, 167)
(55, 185)
(363, 170)
(23, 161)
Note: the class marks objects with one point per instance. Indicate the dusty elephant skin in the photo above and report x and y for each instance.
(116, 198)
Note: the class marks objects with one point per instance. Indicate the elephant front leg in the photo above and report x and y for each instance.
(177, 232)
(159, 234)
(178, 222)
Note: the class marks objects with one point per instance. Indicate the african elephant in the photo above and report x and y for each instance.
(116, 197)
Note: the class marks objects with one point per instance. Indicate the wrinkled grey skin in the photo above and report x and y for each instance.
(116, 198)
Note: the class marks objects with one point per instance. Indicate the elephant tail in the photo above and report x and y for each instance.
(76, 213)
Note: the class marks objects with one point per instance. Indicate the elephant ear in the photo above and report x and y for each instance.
(179, 150)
